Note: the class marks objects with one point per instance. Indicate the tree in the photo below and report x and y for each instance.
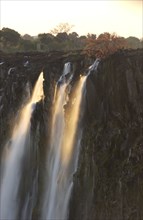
(73, 41)
(27, 37)
(9, 37)
(27, 45)
(46, 38)
(133, 42)
(141, 43)
(73, 36)
(91, 36)
(62, 27)
(105, 44)
(61, 37)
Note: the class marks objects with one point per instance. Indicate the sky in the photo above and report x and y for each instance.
(124, 17)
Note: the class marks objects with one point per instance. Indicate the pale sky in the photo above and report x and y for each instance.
(123, 17)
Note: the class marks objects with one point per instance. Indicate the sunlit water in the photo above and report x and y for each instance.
(63, 152)
(15, 150)
(62, 158)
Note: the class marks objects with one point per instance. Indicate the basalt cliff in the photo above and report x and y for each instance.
(108, 183)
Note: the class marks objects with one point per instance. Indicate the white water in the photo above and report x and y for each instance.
(62, 157)
(94, 66)
(9, 201)
(63, 152)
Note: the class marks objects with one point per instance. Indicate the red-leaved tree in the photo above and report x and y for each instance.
(104, 45)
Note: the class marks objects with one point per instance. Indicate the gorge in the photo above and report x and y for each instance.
(101, 173)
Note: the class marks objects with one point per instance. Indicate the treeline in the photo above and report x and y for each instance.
(60, 38)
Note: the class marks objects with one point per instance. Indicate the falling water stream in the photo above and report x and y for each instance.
(16, 150)
(64, 148)
(64, 145)
(62, 155)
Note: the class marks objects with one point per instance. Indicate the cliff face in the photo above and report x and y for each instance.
(17, 77)
(18, 74)
(109, 181)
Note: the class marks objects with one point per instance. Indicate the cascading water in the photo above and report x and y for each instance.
(13, 165)
(66, 134)
(64, 147)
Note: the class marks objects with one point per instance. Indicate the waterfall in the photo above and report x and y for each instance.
(16, 149)
(64, 148)
(20, 169)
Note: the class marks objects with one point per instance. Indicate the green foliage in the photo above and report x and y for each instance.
(27, 37)
(60, 39)
(133, 42)
(9, 37)
(27, 45)
(46, 38)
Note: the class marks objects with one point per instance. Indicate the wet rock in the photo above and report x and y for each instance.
(108, 182)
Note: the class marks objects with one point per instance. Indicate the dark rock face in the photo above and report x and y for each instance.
(18, 71)
(108, 184)
(109, 181)
(16, 83)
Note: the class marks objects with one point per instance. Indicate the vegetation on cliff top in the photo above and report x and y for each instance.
(61, 39)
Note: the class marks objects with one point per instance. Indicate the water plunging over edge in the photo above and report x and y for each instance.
(64, 148)
(16, 150)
